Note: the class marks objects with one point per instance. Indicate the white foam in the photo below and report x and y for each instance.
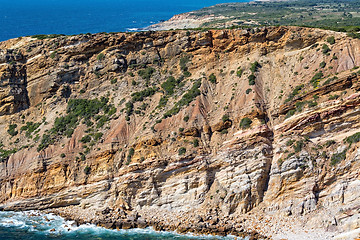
(52, 224)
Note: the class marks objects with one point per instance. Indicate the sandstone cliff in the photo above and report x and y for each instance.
(223, 131)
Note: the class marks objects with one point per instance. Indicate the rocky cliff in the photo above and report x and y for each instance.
(224, 131)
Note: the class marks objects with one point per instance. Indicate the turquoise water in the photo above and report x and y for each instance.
(30, 17)
(32, 225)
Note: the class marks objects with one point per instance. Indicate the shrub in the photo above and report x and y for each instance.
(254, 67)
(5, 154)
(295, 92)
(248, 90)
(182, 151)
(239, 72)
(322, 64)
(290, 113)
(146, 73)
(187, 74)
(315, 79)
(298, 146)
(225, 118)
(113, 81)
(312, 104)
(100, 57)
(185, 100)
(196, 143)
(212, 78)
(290, 142)
(30, 127)
(224, 131)
(78, 109)
(62, 155)
(325, 49)
(130, 155)
(245, 123)
(329, 80)
(331, 40)
(183, 62)
(181, 129)
(353, 138)
(162, 102)
(97, 136)
(338, 157)
(85, 139)
(87, 170)
(12, 130)
(169, 85)
(333, 97)
(251, 79)
(186, 118)
(139, 96)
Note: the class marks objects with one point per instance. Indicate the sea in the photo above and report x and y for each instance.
(33, 225)
(31, 17)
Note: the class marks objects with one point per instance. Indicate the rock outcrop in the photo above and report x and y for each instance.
(222, 131)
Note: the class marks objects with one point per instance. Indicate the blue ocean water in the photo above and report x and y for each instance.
(30, 17)
(32, 225)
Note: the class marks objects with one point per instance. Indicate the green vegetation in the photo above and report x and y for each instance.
(252, 79)
(85, 139)
(337, 15)
(186, 118)
(212, 78)
(325, 49)
(196, 142)
(225, 118)
(239, 72)
(100, 57)
(186, 99)
(169, 85)
(255, 67)
(46, 36)
(146, 73)
(290, 142)
(329, 80)
(182, 151)
(249, 90)
(290, 113)
(5, 154)
(62, 155)
(298, 146)
(322, 64)
(183, 62)
(139, 96)
(130, 155)
(338, 157)
(315, 79)
(30, 127)
(295, 92)
(12, 130)
(87, 169)
(331, 40)
(245, 123)
(353, 138)
(90, 111)
(113, 80)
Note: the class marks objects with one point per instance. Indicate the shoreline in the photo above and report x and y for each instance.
(135, 221)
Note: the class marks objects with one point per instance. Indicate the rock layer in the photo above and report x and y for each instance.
(254, 134)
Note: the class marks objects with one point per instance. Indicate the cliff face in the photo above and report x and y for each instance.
(217, 131)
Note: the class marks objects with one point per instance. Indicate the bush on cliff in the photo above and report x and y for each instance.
(245, 123)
